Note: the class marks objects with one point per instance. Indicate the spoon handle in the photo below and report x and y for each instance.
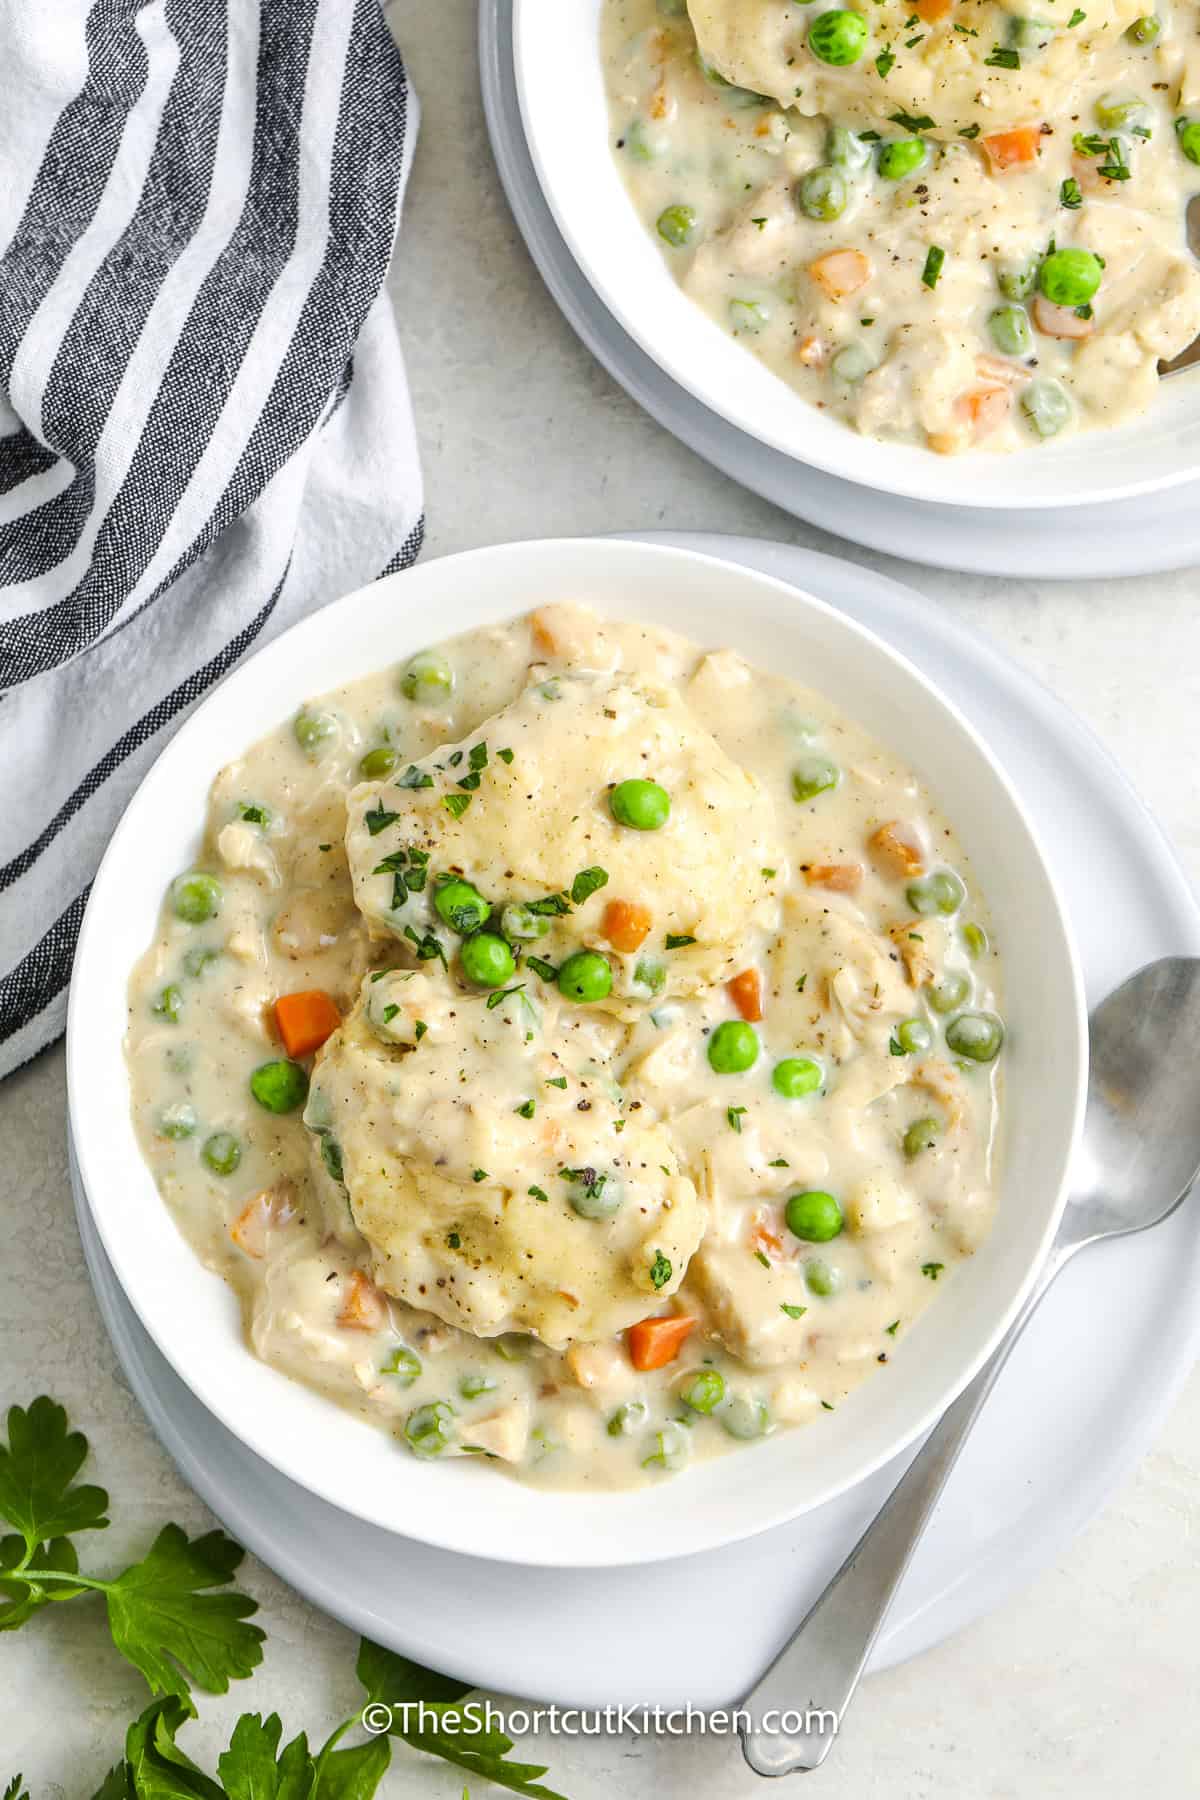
(816, 1673)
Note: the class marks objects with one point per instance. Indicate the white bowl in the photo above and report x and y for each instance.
(193, 1316)
(564, 109)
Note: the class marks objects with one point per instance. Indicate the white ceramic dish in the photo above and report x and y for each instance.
(560, 84)
(1075, 1411)
(192, 1316)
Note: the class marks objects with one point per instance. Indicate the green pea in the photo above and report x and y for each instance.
(846, 150)
(977, 1036)
(403, 1364)
(814, 1216)
(430, 1429)
(822, 1278)
(471, 1386)
(378, 764)
(585, 977)
(747, 315)
(641, 805)
(486, 959)
(522, 925)
(594, 1196)
(177, 1121)
(197, 960)
(627, 1418)
(671, 1448)
(852, 364)
(1070, 277)
(462, 906)
(904, 156)
(313, 731)
(1030, 34)
(914, 1037)
(650, 975)
(921, 1135)
(169, 1004)
(1047, 406)
(822, 193)
(1011, 331)
(280, 1086)
(676, 225)
(812, 776)
(745, 1419)
(1144, 30)
(796, 1076)
(643, 144)
(733, 1048)
(976, 941)
(703, 1390)
(222, 1152)
(951, 992)
(940, 893)
(1188, 133)
(427, 678)
(838, 37)
(1118, 112)
(196, 898)
(1017, 281)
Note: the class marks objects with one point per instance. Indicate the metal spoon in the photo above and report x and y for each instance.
(1191, 355)
(1139, 1156)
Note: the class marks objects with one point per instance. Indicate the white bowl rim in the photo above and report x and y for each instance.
(840, 451)
(91, 1126)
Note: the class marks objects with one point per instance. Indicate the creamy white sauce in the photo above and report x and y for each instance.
(477, 1202)
(892, 342)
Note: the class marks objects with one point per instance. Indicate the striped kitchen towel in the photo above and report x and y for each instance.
(204, 425)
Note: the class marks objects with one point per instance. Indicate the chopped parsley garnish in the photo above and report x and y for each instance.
(537, 1193)
(735, 1115)
(1070, 194)
(767, 874)
(558, 1081)
(1114, 167)
(885, 62)
(800, 984)
(428, 947)
(476, 761)
(552, 906)
(759, 222)
(453, 1240)
(1076, 18)
(827, 1406)
(593, 1182)
(389, 1013)
(893, 1328)
(253, 815)
(505, 756)
(895, 1047)
(456, 804)
(934, 261)
(660, 1271)
(480, 1175)
(763, 1258)
(526, 1109)
(969, 131)
(868, 137)
(494, 1000)
(793, 1312)
(414, 778)
(780, 1162)
(419, 1029)
(933, 1270)
(912, 121)
(541, 967)
(378, 819)
(676, 940)
(1002, 58)
(586, 883)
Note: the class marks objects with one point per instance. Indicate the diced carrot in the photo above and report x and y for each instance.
(811, 352)
(763, 1239)
(929, 11)
(1060, 321)
(839, 878)
(985, 408)
(305, 1020)
(745, 990)
(840, 273)
(626, 925)
(653, 1343)
(541, 624)
(270, 1206)
(897, 853)
(1015, 149)
(362, 1306)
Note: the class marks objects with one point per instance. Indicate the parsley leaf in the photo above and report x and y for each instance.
(526, 1109)
(885, 62)
(735, 1115)
(494, 1000)
(660, 1271)
(969, 131)
(378, 819)
(586, 883)
(456, 804)
(159, 1609)
(541, 967)
(414, 778)
(932, 1269)
(677, 940)
(793, 1312)
(912, 121)
(538, 1193)
(1070, 194)
(505, 756)
(1002, 58)
(38, 1467)
(934, 262)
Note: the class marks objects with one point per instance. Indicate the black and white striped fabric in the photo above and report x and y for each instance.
(204, 424)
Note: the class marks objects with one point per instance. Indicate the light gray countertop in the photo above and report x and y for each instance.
(1084, 1685)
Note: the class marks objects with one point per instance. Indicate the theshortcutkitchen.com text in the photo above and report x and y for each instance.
(603, 1721)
